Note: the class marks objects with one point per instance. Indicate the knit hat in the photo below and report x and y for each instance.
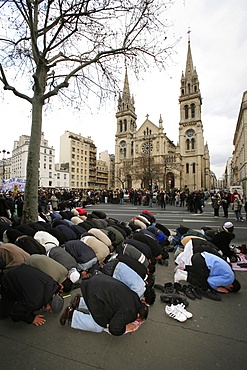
(74, 275)
(228, 225)
(57, 304)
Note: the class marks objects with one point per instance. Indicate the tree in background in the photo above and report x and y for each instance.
(73, 49)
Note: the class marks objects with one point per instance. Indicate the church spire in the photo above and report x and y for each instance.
(126, 89)
(126, 101)
(189, 63)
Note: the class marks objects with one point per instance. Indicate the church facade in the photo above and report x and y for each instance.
(146, 158)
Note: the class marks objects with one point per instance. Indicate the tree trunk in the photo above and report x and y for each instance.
(30, 209)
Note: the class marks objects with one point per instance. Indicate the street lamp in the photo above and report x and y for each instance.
(5, 152)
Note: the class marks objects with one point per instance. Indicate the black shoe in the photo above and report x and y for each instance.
(66, 315)
(75, 301)
(211, 294)
(188, 291)
(196, 291)
(168, 288)
(159, 287)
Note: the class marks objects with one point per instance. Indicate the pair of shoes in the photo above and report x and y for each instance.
(211, 294)
(66, 315)
(168, 288)
(181, 307)
(75, 301)
(174, 313)
(188, 292)
(159, 287)
(196, 291)
(179, 289)
(173, 299)
(163, 262)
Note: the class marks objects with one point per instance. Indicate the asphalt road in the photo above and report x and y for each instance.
(214, 338)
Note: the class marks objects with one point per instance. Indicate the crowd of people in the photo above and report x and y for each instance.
(112, 262)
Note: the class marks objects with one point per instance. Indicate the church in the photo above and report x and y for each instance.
(146, 158)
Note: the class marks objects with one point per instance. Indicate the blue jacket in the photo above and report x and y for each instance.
(220, 272)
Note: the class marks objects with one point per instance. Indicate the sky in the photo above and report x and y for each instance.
(218, 37)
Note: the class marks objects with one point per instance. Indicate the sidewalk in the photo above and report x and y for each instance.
(214, 338)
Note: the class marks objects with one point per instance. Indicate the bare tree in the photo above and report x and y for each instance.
(71, 48)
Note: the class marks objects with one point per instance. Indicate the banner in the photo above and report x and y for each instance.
(13, 184)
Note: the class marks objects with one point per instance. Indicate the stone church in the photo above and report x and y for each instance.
(146, 158)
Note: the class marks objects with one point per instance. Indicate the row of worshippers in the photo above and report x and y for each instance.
(41, 260)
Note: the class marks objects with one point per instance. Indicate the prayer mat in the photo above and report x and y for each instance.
(242, 261)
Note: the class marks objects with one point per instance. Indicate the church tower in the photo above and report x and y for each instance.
(191, 141)
(126, 127)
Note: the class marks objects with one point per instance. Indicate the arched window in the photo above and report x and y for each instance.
(125, 125)
(124, 152)
(187, 167)
(182, 91)
(195, 88)
(186, 109)
(192, 143)
(188, 88)
(187, 144)
(121, 126)
(193, 110)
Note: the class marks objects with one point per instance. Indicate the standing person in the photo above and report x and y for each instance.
(216, 201)
(19, 201)
(162, 199)
(236, 207)
(110, 303)
(225, 201)
(54, 202)
(4, 207)
(245, 208)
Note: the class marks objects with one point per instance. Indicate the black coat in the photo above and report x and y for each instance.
(26, 289)
(110, 302)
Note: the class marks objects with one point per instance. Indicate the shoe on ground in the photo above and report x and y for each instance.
(196, 291)
(168, 288)
(75, 301)
(181, 307)
(189, 292)
(66, 315)
(174, 313)
(159, 287)
(210, 294)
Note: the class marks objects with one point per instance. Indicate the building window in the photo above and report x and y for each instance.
(186, 109)
(44, 158)
(44, 166)
(192, 143)
(50, 152)
(64, 176)
(187, 167)
(193, 168)
(193, 109)
(187, 144)
(50, 166)
(50, 175)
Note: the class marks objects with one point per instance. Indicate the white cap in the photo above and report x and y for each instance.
(74, 275)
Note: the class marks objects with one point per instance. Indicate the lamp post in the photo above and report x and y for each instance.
(5, 152)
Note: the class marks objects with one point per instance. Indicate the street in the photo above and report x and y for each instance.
(214, 338)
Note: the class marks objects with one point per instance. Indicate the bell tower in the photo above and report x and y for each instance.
(126, 128)
(191, 139)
